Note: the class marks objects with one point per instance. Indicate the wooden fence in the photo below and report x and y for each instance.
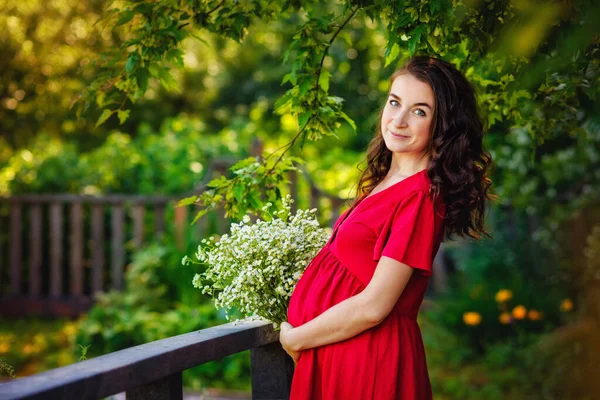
(154, 370)
(51, 265)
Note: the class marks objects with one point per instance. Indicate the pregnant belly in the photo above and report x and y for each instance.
(325, 283)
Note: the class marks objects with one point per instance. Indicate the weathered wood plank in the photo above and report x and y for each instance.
(56, 249)
(61, 307)
(76, 250)
(15, 241)
(97, 248)
(126, 369)
(272, 371)
(35, 249)
(168, 388)
(117, 246)
(90, 199)
(4, 231)
(181, 224)
(138, 224)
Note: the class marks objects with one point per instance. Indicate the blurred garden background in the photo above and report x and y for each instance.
(141, 103)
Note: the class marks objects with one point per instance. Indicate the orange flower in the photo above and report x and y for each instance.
(4, 347)
(505, 318)
(566, 305)
(28, 349)
(519, 312)
(534, 315)
(503, 295)
(472, 318)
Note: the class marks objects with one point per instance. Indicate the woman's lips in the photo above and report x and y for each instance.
(398, 135)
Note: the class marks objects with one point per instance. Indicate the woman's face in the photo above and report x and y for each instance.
(407, 116)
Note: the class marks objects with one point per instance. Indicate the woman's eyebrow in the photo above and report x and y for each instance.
(416, 104)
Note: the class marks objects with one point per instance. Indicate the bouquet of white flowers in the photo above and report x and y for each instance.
(256, 266)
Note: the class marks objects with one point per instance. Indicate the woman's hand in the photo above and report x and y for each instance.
(284, 338)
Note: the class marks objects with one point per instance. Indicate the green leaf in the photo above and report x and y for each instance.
(218, 182)
(415, 37)
(132, 62)
(434, 5)
(167, 80)
(154, 70)
(254, 200)
(290, 77)
(238, 192)
(186, 201)
(305, 86)
(348, 120)
(126, 16)
(393, 54)
(303, 118)
(493, 117)
(413, 42)
(142, 78)
(143, 8)
(103, 117)
(283, 105)
(324, 80)
(123, 116)
(199, 215)
(175, 56)
(243, 163)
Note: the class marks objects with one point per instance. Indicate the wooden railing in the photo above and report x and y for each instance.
(154, 370)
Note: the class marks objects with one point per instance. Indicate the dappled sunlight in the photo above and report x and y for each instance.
(158, 102)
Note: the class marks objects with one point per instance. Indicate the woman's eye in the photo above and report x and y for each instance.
(422, 113)
(393, 101)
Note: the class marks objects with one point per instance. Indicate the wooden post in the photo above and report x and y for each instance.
(15, 248)
(97, 248)
(35, 252)
(181, 224)
(138, 225)
(76, 250)
(272, 371)
(56, 249)
(169, 388)
(117, 248)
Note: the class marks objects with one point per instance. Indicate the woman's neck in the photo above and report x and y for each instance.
(404, 164)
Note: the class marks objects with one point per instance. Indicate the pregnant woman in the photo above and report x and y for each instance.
(353, 314)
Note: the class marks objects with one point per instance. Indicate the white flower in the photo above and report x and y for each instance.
(254, 268)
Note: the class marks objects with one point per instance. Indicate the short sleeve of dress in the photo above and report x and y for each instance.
(410, 234)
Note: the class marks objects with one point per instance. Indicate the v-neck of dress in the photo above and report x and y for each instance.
(355, 206)
(391, 186)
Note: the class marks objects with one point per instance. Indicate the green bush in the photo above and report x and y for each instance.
(504, 290)
(159, 301)
(171, 161)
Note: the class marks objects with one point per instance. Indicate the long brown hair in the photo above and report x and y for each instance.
(459, 164)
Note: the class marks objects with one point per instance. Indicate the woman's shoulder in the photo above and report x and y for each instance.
(416, 184)
(419, 192)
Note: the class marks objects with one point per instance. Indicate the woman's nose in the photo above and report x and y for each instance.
(399, 119)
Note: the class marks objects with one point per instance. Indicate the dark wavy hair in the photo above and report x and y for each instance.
(459, 164)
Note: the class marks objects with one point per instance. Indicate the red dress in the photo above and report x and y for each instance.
(388, 360)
